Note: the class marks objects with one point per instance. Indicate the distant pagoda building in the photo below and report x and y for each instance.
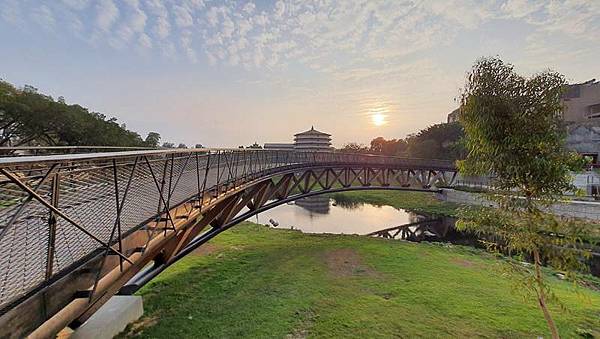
(318, 204)
(312, 140)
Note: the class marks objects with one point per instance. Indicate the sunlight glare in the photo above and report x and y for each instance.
(378, 119)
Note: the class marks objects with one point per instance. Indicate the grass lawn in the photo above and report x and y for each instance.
(253, 281)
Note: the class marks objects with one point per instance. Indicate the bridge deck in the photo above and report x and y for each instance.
(58, 211)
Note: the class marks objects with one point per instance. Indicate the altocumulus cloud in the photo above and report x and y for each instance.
(333, 36)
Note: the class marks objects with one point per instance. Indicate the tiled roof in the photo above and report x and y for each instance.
(312, 131)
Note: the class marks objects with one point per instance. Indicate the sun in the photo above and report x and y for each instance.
(378, 119)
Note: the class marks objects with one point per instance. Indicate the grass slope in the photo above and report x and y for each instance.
(253, 281)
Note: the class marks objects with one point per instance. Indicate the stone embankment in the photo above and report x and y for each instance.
(568, 208)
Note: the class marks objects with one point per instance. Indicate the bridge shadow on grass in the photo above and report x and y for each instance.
(261, 282)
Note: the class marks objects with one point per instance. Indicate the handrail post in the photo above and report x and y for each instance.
(206, 169)
(235, 163)
(118, 209)
(218, 181)
(52, 223)
(162, 185)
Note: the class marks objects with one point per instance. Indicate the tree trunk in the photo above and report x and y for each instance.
(542, 295)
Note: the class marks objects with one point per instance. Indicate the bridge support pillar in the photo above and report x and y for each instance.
(111, 318)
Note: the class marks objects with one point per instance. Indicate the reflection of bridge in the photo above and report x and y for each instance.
(421, 229)
(77, 229)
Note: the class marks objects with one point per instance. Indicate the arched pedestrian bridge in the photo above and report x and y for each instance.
(78, 229)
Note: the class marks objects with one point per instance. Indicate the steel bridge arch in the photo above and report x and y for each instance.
(139, 281)
(161, 205)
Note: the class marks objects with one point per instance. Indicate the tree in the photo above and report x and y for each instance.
(198, 146)
(354, 147)
(439, 141)
(168, 145)
(514, 132)
(28, 117)
(380, 145)
(427, 149)
(182, 145)
(152, 140)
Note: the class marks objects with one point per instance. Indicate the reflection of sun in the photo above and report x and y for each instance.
(378, 119)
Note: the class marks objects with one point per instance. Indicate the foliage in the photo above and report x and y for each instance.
(380, 145)
(353, 147)
(31, 118)
(168, 145)
(440, 141)
(252, 281)
(152, 140)
(514, 132)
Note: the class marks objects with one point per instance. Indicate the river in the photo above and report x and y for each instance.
(320, 214)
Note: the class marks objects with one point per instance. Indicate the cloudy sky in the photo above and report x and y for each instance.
(225, 73)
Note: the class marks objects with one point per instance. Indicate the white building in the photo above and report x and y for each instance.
(279, 146)
(312, 140)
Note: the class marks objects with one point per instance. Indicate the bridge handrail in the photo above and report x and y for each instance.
(55, 210)
(104, 156)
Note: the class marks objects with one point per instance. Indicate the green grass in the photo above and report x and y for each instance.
(261, 282)
(414, 201)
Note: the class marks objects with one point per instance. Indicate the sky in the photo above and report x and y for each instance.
(229, 73)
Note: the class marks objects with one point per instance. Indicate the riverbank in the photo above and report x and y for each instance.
(253, 281)
(417, 202)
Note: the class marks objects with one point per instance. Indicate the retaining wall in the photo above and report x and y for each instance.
(580, 209)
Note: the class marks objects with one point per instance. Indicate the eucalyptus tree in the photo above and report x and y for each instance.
(514, 132)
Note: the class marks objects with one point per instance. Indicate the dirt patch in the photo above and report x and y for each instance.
(465, 263)
(206, 249)
(307, 318)
(298, 334)
(138, 327)
(346, 262)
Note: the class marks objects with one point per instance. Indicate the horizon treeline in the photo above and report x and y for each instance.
(439, 141)
(30, 118)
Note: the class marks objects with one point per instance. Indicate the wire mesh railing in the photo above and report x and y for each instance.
(55, 211)
(20, 151)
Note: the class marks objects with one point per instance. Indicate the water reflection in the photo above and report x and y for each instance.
(419, 229)
(316, 204)
(319, 214)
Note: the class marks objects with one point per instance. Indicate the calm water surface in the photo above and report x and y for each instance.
(319, 214)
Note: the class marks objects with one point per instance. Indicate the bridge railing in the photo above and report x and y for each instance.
(20, 151)
(57, 211)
